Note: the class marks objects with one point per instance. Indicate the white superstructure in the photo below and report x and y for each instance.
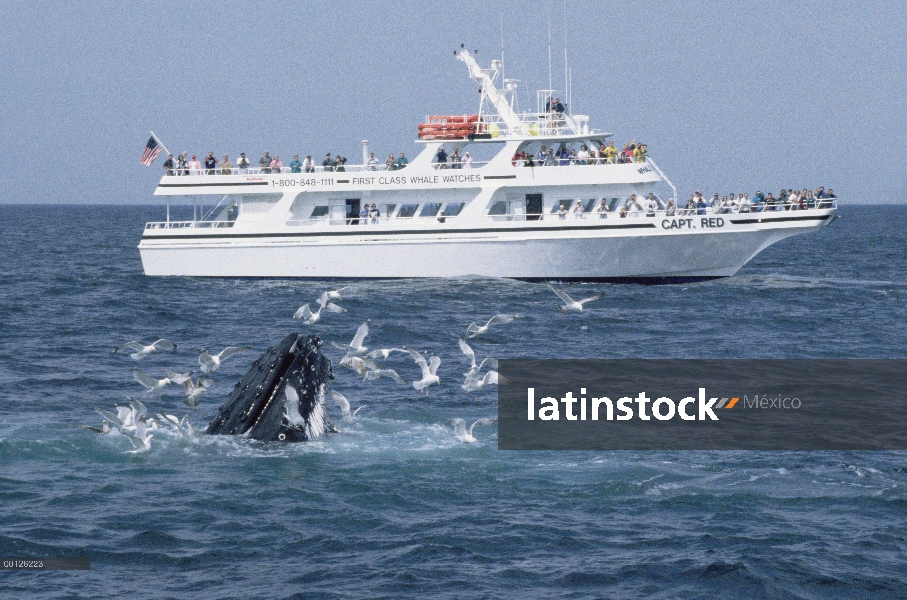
(500, 215)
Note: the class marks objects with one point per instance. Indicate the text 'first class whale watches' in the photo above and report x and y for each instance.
(501, 193)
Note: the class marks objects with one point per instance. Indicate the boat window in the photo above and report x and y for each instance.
(589, 204)
(567, 202)
(319, 212)
(452, 209)
(259, 203)
(387, 209)
(614, 204)
(430, 209)
(407, 210)
(498, 208)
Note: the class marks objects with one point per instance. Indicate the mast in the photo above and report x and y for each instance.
(497, 97)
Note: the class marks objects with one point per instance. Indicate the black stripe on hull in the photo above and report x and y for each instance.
(672, 280)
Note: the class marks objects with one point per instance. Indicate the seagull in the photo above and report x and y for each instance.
(211, 363)
(151, 384)
(383, 353)
(344, 405)
(194, 390)
(378, 373)
(358, 364)
(571, 305)
(140, 351)
(465, 435)
(472, 384)
(179, 378)
(428, 370)
(105, 427)
(475, 369)
(123, 418)
(355, 348)
(310, 318)
(141, 441)
(292, 406)
(337, 294)
(184, 427)
(475, 330)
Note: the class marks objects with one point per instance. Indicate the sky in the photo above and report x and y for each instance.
(729, 96)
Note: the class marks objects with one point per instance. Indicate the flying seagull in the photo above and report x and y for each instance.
(429, 370)
(140, 351)
(475, 331)
(474, 369)
(310, 318)
(337, 295)
(211, 363)
(344, 405)
(571, 305)
(151, 384)
(355, 347)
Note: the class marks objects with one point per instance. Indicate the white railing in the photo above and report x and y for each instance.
(188, 224)
(357, 222)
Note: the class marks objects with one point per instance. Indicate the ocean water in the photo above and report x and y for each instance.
(395, 506)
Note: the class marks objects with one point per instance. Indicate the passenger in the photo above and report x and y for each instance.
(363, 214)
(341, 160)
(571, 158)
(626, 155)
(602, 209)
(195, 167)
(517, 160)
(793, 200)
(611, 152)
(549, 158)
(805, 198)
(671, 208)
(182, 165)
(557, 107)
(467, 161)
(402, 161)
(390, 164)
(623, 211)
(265, 163)
(562, 213)
(441, 217)
(582, 157)
(578, 210)
(308, 165)
(372, 162)
(690, 208)
(168, 165)
(232, 211)
(633, 206)
(295, 165)
(744, 203)
(564, 156)
(542, 155)
(243, 163)
(276, 165)
(715, 202)
(441, 158)
(700, 206)
(374, 214)
(456, 159)
(226, 167)
(769, 202)
(651, 205)
(210, 163)
(328, 163)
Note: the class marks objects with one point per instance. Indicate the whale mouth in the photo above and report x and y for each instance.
(256, 406)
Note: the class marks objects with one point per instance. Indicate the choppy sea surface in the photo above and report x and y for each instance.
(396, 506)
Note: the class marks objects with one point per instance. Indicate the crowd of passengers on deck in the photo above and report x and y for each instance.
(267, 164)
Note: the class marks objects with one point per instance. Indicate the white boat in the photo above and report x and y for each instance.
(497, 217)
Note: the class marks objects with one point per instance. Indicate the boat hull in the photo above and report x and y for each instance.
(642, 251)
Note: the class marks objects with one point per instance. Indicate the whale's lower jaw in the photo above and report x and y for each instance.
(256, 406)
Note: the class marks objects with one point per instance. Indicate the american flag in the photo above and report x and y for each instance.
(152, 149)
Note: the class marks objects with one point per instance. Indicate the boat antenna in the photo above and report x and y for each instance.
(549, 45)
(502, 46)
(566, 76)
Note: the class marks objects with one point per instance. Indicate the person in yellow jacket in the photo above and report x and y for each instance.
(639, 154)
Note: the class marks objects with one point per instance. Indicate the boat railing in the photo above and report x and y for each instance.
(318, 169)
(188, 224)
(360, 222)
(536, 123)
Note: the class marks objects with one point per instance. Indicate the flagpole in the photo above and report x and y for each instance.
(161, 143)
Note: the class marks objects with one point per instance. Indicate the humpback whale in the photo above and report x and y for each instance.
(282, 397)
